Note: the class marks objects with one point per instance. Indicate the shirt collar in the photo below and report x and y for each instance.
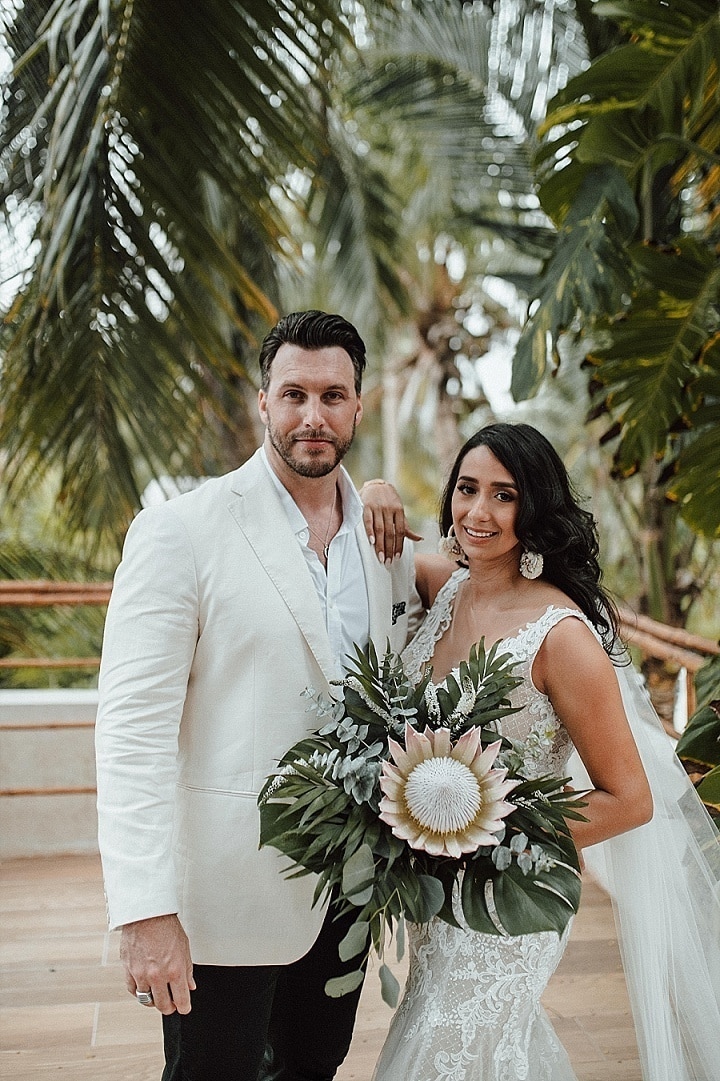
(351, 502)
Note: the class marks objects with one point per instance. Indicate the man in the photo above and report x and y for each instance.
(229, 601)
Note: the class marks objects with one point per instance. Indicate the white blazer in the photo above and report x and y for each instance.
(213, 630)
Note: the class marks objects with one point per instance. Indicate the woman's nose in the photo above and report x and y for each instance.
(478, 510)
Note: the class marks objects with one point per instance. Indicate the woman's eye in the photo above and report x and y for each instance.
(505, 497)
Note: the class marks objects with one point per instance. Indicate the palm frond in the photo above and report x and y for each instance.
(130, 118)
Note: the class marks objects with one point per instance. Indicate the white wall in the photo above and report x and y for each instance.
(47, 772)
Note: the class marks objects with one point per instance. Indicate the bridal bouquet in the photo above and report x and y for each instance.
(407, 804)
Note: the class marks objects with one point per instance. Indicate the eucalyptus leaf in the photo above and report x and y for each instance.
(355, 940)
(343, 985)
(358, 875)
(400, 940)
(389, 986)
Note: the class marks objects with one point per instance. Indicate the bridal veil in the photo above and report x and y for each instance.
(664, 881)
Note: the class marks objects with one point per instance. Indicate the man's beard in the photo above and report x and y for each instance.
(307, 467)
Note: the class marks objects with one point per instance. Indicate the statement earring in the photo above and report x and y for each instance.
(450, 546)
(531, 564)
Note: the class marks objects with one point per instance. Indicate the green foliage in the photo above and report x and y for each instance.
(156, 147)
(321, 810)
(55, 632)
(699, 745)
(589, 269)
(628, 167)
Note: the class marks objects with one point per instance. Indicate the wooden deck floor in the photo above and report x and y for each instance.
(64, 1009)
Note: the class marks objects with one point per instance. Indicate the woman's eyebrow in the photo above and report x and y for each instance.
(493, 483)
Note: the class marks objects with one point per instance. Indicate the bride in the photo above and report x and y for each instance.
(528, 577)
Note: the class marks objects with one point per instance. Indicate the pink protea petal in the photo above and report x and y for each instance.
(454, 848)
(441, 740)
(466, 747)
(403, 828)
(417, 746)
(432, 844)
(403, 760)
(485, 760)
(392, 789)
(495, 790)
(477, 836)
(389, 776)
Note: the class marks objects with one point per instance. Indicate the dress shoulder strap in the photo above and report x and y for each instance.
(526, 642)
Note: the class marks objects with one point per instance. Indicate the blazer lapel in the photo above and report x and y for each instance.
(379, 593)
(259, 514)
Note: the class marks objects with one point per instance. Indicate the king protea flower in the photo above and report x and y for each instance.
(444, 799)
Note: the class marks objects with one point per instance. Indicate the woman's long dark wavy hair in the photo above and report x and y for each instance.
(550, 520)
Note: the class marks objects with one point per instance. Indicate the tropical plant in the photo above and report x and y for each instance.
(47, 632)
(444, 99)
(699, 745)
(629, 171)
(154, 148)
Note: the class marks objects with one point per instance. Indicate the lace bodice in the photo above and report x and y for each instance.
(546, 743)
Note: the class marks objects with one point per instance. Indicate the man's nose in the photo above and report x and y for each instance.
(313, 416)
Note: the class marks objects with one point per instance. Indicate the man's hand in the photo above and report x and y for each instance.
(384, 518)
(156, 956)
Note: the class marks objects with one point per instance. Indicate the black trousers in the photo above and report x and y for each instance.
(265, 1023)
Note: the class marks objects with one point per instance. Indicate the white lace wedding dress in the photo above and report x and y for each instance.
(471, 1007)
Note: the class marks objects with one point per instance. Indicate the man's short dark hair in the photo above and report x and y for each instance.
(313, 330)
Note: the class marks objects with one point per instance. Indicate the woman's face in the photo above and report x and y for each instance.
(485, 505)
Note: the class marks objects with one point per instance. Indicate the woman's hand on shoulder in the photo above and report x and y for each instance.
(384, 519)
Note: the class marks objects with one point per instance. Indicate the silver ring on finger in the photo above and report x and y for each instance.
(145, 998)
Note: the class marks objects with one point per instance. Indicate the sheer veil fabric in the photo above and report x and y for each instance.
(664, 881)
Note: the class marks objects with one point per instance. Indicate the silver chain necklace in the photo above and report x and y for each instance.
(326, 543)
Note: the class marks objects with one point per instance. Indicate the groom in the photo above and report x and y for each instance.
(229, 601)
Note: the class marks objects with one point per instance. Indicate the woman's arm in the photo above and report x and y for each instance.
(574, 671)
(384, 518)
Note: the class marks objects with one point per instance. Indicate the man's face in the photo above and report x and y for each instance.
(310, 408)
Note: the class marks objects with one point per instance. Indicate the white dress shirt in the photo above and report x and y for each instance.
(341, 588)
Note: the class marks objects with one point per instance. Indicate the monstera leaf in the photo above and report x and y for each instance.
(589, 270)
(699, 746)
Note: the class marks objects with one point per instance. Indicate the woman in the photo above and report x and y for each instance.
(528, 578)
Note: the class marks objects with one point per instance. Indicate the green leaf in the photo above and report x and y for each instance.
(699, 745)
(432, 897)
(709, 790)
(472, 897)
(358, 876)
(523, 903)
(355, 940)
(389, 987)
(400, 940)
(343, 985)
(588, 271)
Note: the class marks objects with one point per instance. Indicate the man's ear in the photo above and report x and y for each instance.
(262, 406)
(358, 410)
